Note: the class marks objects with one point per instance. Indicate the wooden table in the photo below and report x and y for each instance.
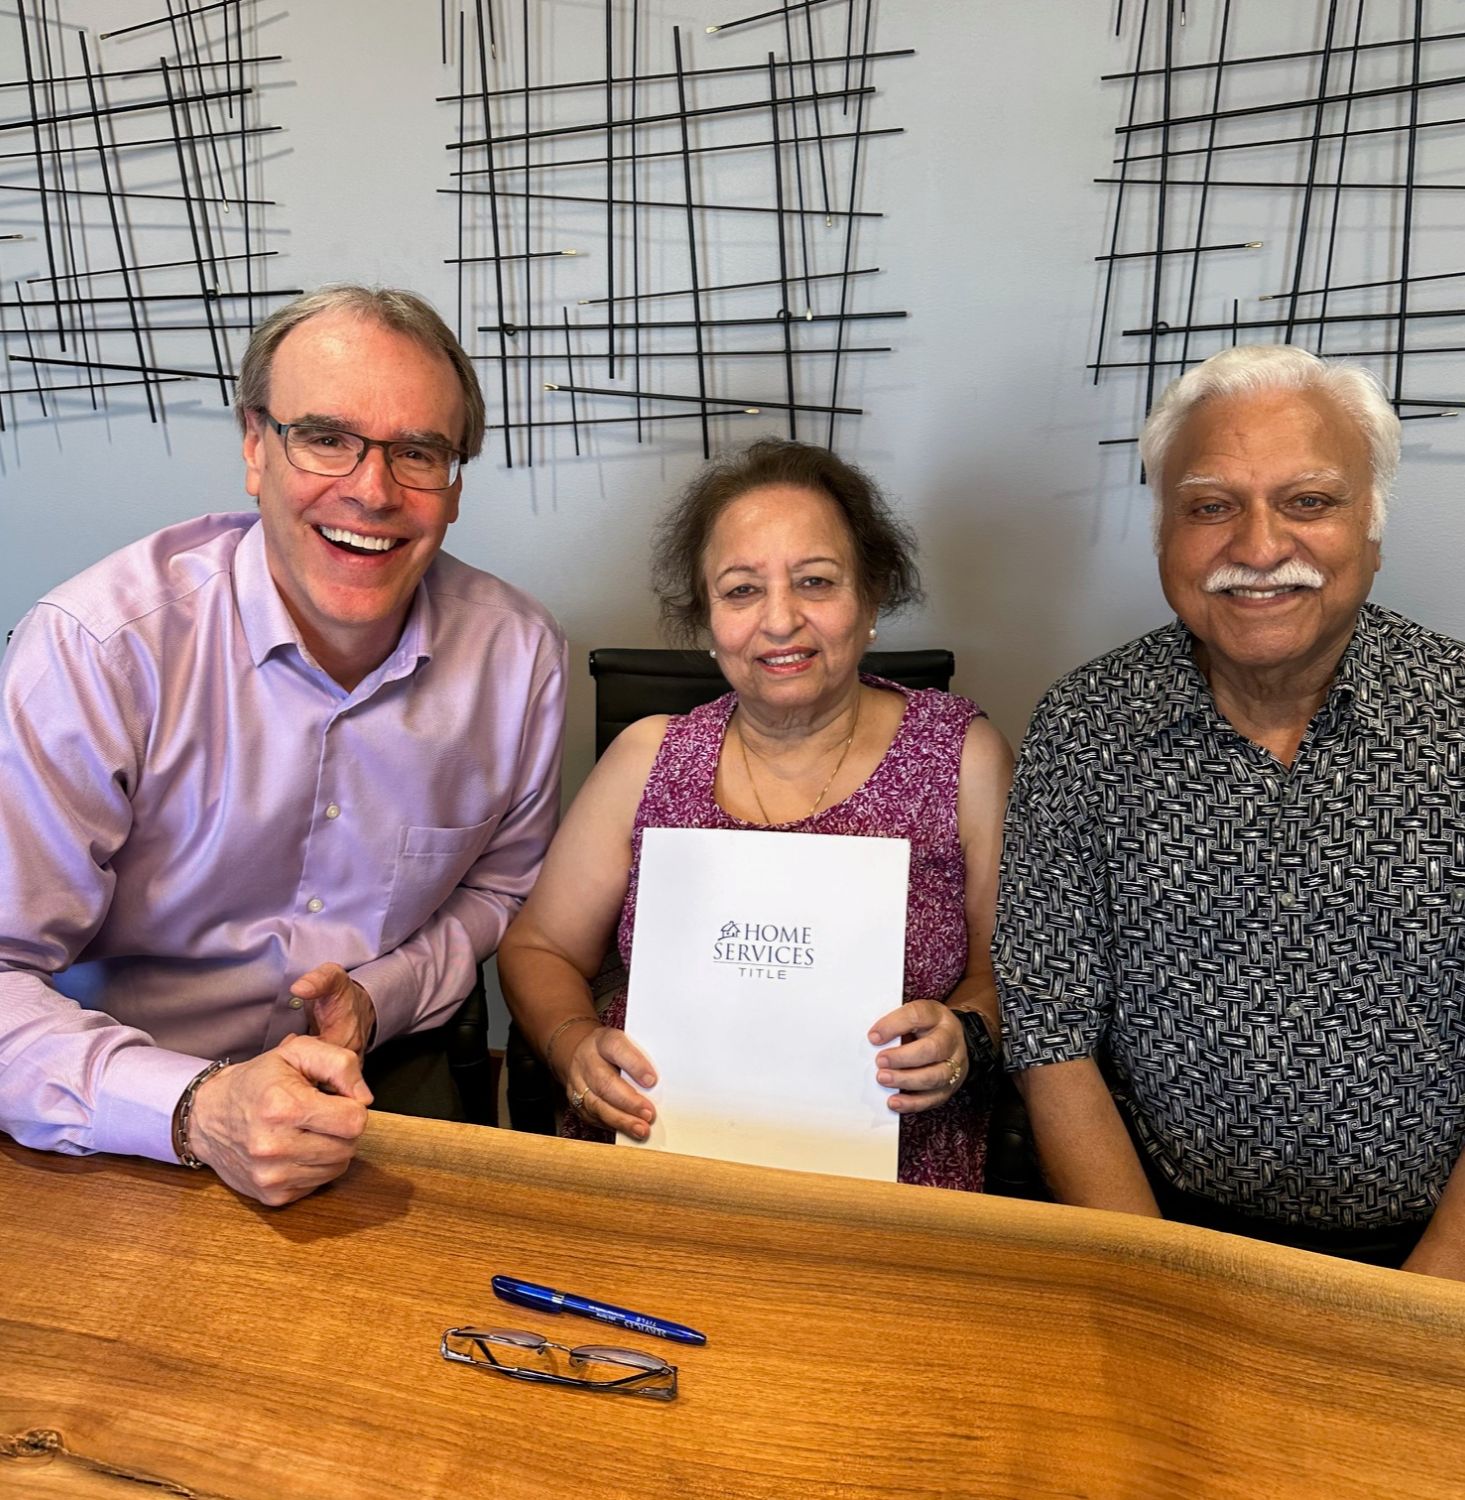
(865, 1339)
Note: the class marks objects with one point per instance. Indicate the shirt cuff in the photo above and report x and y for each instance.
(393, 986)
(140, 1090)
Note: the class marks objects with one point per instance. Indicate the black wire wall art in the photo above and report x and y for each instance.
(661, 225)
(134, 254)
(1286, 174)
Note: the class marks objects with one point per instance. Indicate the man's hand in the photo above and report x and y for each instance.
(340, 1010)
(269, 1131)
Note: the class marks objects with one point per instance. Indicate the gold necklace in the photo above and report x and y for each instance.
(823, 791)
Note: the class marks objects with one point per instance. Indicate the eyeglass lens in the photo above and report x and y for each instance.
(601, 1354)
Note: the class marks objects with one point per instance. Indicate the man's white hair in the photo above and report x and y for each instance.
(1252, 369)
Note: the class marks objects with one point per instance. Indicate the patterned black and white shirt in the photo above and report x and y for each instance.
(1271, 958)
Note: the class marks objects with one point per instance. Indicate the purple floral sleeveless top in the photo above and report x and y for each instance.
(911, 794)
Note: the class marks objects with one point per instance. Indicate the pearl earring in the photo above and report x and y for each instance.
(873, 632)
(712, 652)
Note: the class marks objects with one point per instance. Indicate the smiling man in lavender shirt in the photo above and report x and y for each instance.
(271, 787)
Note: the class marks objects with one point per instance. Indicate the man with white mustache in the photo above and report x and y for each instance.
(272, 786)
(1232, 922)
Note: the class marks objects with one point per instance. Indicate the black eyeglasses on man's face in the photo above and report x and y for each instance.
(332, 452)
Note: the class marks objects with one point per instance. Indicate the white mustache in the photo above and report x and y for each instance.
(1292, 574)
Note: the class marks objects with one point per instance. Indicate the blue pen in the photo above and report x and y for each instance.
(546, 1299)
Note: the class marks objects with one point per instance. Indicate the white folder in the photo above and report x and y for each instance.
(760, 962)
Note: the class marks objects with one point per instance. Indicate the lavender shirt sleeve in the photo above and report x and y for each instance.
(71, 1080)
(417, 984)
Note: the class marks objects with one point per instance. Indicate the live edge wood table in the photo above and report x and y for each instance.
(865, 1339)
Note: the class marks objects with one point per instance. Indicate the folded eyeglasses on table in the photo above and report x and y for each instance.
(531, 1356)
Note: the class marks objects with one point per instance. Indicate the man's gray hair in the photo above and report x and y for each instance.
(401, 311)
(1252, 369)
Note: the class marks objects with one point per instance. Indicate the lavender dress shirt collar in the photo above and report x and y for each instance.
(268, 627)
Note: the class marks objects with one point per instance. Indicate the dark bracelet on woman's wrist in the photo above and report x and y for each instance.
(981, 1052)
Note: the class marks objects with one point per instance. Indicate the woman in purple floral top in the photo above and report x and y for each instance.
(785, 555)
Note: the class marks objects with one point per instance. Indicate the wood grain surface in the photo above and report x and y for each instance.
(865, 1339)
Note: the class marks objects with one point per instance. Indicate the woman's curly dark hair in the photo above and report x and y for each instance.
(884, 547)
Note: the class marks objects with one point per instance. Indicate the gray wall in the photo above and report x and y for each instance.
(983, 425)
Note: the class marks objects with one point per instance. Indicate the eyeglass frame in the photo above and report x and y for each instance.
(282, 430)
(626, 1385)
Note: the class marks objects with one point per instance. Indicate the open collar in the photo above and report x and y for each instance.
(268, 627)
(1177, 692)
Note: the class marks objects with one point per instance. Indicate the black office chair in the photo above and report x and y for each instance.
(1012, 1159)
(630, 683)
(406, 1074)
(473, 1067)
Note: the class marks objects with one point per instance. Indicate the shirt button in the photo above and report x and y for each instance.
(1287, 899)
(296, 1002)
(333, 811)
(314, 904)
(1314, 1210)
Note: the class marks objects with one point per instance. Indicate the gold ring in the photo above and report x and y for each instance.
(955, 1067)
(577, 1100)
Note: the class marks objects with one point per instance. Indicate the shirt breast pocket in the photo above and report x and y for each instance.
(431, 864)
